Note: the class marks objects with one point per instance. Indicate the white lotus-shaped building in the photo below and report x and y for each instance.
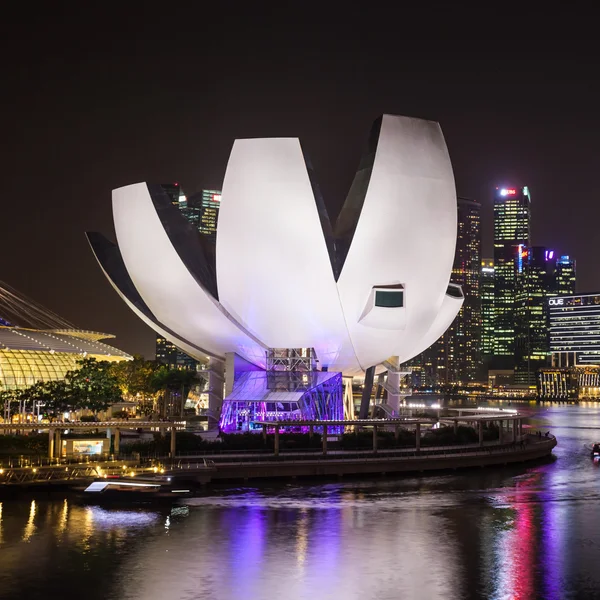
(373, 286)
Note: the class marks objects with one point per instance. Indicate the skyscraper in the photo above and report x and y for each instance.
(456, 356)
(564, 277)
(575, 330)
(512, 216)
(463, 349)
(533, 285)
(486, 287)
(173, 190)
(202, 210)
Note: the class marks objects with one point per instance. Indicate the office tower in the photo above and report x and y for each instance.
(512, 216)
(202, 209)
(463, 339)
(486, 287)
(564, 277)
(173, 190)
(534, 279)
(575, 330)
(456, 356)
(168, 354)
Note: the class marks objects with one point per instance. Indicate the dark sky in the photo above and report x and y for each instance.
(96, 100)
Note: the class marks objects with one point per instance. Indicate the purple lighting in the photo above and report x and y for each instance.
(259, 396)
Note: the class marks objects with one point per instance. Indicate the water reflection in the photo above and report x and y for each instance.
(30, 527)
(498, 533)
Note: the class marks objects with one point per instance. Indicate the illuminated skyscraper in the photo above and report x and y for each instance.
(575, 330)
(512, 216)
(564, 277)
(486, 287)
(456, 356)
(463, 351)
(534, 283)
(202, 210)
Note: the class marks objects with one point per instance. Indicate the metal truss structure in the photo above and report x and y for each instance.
(291, 359)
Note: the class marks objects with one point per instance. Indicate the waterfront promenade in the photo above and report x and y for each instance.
(203, 468)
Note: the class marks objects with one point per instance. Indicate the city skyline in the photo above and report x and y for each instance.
(70, 139)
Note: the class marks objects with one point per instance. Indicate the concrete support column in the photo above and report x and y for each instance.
(57, 444)
(480, 430)
(51, 443)
(455, 426)
(324, 439)
(393, 400)
(216, 379)
(311, 431)
(366, 393)
(264, 433)
(514, 431)
(500, 431)
(375, 439)
(379, 388)
(418, 437)
(520, 427)
(173, 441)
(117, 441)
(276, 447)
(348, 399)
(397, 432)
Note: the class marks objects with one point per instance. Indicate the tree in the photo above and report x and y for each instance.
(9, 402)
(55, 396)
(93, 385)
(174, 386)
(135, 378)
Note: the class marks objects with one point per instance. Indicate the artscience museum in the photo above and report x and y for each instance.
(286, 305)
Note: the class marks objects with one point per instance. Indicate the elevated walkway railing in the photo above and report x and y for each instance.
(395, 368)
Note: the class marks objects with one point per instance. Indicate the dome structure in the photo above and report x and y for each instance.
(281, 275)
(31, 355)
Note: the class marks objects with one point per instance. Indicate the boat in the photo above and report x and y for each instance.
(123, 489)
(595, 453)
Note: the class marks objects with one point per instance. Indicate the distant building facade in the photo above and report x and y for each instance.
(575, 330)
(456, 356)
(569, 383)
(565, 276)
(202, 210)
(486, 288)
(534, 283)
(173, 190)
(512, 218)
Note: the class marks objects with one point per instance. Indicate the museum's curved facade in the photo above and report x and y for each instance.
(373, 285)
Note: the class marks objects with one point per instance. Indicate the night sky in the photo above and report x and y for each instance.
(92, 101)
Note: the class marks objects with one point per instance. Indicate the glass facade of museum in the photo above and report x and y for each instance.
(260, 396)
